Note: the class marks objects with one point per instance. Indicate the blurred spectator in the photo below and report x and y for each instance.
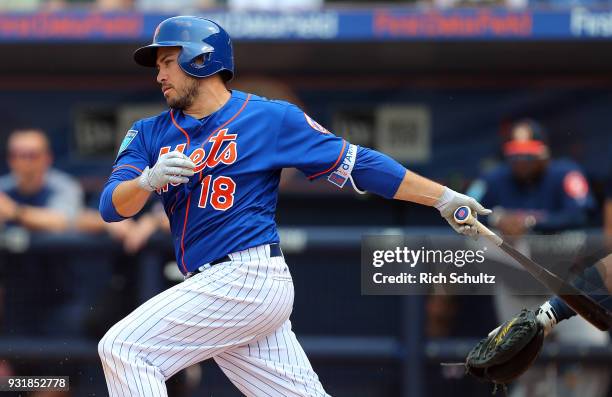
(34, 195)
(133, 233)
(532, 194)
(144, 227)
(38, 299)
(38, 198)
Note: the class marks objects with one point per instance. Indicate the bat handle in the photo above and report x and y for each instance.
(463, 215)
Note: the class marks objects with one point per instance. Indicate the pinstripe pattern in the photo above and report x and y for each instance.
(278, 368)
(236, 312)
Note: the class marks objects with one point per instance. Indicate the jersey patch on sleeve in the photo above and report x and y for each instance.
(343, 172)
(315, 125)
(129, 137)
(575, 185)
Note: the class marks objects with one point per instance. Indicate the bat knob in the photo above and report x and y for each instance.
(462, 214)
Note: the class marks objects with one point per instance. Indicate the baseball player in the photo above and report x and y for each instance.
(511, 349)
(215, 158)
(535, 194)
(595, 281)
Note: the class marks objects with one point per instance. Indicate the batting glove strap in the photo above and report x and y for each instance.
(547, 317)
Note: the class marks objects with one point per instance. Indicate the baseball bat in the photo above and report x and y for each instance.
(576, 299)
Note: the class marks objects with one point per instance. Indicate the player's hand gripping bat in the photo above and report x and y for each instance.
(576, 299)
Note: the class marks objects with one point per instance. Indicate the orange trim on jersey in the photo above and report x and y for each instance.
(246, 101)
(189, 196)
(333, 166)
(126, 165)
(183, 236)
(230, 120)
(180, 128)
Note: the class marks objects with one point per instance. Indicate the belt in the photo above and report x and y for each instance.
(275, 251)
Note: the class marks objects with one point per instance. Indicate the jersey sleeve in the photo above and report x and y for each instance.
(132, 158)
(375, 172)
(576, 201)
(304, 144)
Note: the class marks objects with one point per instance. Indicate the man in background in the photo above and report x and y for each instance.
(531, 194)
(34, 195)
(38, 289)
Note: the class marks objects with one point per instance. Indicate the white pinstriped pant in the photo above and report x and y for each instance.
(236, 313)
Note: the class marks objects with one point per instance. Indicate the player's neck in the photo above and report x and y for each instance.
(210, 99)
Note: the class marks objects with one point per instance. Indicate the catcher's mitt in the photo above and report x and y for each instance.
(504, 355)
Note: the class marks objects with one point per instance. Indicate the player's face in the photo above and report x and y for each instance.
(179, 89)
(527, 169)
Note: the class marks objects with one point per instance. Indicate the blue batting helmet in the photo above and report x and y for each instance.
(206, 48)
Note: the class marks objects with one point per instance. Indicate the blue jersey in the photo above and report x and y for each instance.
(239, 151)
(559, 200)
